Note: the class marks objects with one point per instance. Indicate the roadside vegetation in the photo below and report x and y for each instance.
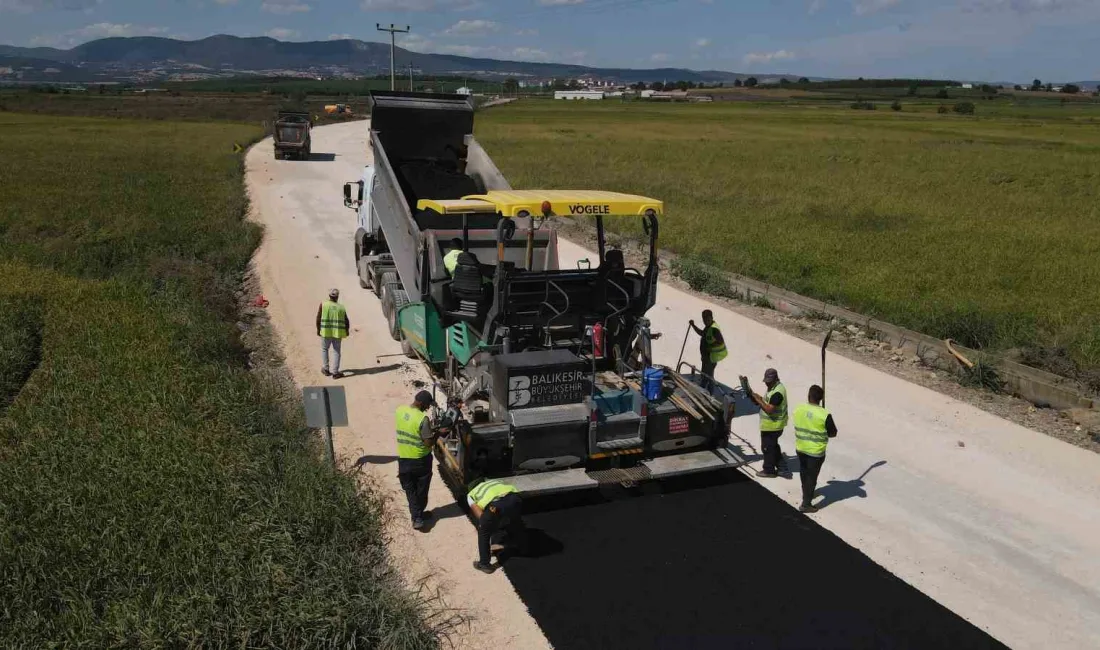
(983, 228)
(153, 492)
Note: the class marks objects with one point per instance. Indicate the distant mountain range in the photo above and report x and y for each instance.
(144, 59)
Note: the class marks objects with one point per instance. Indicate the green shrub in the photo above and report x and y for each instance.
(942, 110)
(896, 106)
(964, 108)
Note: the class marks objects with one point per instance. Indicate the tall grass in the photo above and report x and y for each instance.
(152, 492)
(984, 229)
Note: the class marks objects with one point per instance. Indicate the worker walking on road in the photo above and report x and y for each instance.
(712, 347)
(813, 426)
(450, 260)
(415, 440)
(333, 327)
(497, 506)
(773, 420)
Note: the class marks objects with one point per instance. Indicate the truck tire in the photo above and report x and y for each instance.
(388, 278)
(389, 284)
(363, 272)
(398, 299)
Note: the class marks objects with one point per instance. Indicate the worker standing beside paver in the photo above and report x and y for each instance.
(712, 347)
(773, 420)
(813, 426)
(415, 440)
(496, 504)
(333, 327)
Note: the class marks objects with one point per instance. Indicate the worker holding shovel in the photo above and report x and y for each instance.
(712, 348)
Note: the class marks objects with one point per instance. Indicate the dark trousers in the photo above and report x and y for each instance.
(773, 454)
(416, 478)
(809, 468)
(708, 369)
(504, 513)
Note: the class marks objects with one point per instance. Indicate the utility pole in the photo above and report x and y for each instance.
(410, 77)
(393, 45)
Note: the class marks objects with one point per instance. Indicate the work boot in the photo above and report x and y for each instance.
(762, 474)
(807, 508)
(484, 568)
(325, 372)
(418, 524)
(337, 375)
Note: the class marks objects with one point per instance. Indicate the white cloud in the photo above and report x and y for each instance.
(472, 28)
(341, 37)
(867, 7)
(282, 33)
(755, 58)
(31, 6)
(702, 42)
(417, 5)
(658, 57)
(285, 7)
(96, 31)
(559, 3)
(527, 32)
(816, 6)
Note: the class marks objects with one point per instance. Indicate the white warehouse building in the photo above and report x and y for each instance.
(578, 94)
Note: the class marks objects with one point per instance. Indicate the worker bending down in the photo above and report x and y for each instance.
(712, 347)
(496, 505)
(813, 426)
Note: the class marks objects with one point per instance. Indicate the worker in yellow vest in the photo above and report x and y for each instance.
(450, 260)
(497, 506)
(712, 347)
(773, 420)
(333, 327)
(415, 440)
(813, 426)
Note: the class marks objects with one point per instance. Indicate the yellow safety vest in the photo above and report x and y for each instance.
(717, 350)
(811, 436)
(484, 493)
(776, 421)
(332, 320)
(450, 260)
(409, 443)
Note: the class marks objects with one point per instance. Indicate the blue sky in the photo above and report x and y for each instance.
(993, 40)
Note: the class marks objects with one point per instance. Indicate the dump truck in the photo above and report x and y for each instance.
(547, 372)
(339, 109)
(292, 135)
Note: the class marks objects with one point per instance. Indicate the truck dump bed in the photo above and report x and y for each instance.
(424, 149)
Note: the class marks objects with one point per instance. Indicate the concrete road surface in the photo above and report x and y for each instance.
(997, 522)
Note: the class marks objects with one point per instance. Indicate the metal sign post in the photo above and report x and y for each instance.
(327, 407)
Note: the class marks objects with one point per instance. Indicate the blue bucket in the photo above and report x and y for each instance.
(651, 383)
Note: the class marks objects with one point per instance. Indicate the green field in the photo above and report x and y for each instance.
(984, 229)
(153, 491)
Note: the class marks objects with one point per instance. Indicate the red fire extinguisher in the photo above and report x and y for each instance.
(597, 339)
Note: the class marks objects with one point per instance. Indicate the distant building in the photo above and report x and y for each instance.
(968, 86)
(578, 94)
(464, 91)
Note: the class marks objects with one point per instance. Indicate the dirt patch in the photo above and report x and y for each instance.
(857, 344)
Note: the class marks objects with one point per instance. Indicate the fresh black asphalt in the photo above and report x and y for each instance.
(713, 562)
